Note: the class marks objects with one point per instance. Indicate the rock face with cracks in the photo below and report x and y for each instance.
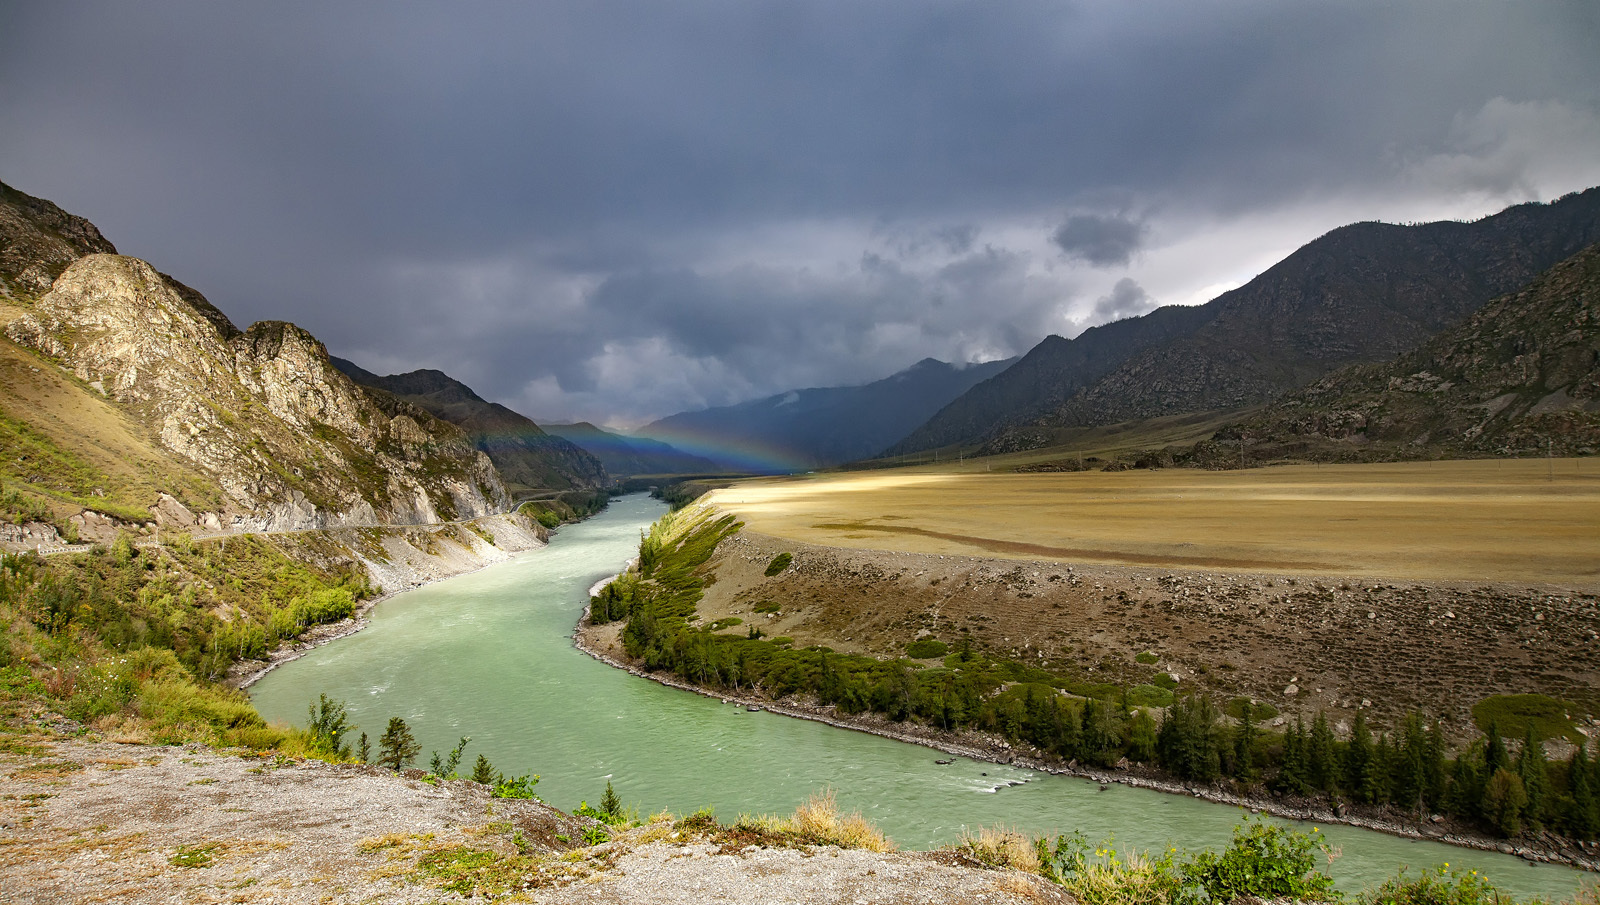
(290, 440)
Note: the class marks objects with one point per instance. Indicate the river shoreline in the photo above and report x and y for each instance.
(983, 748)
(246, 673)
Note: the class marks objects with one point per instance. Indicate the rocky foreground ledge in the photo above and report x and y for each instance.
(84, 821)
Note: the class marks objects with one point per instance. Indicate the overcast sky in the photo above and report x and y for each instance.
(619, 210)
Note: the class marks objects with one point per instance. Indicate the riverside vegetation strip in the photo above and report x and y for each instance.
(1050, 711)
(154, 822)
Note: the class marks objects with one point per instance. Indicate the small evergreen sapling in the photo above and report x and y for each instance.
(484, 772)
(397, 747)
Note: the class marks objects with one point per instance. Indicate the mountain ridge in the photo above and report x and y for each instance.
(528, 458)
(1519, 376)
(1361, 292)
(627, 456)
(820, 426)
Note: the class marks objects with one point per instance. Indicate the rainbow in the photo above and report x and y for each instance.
(742, 454)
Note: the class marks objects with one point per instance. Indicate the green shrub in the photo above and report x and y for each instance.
(926, 649)
(779, 563)
(1147, 658)
(1259, 710)
(1263, 860)
(1435, 887)
(767, 606)
(1163, 680)
(520, 787)
(328, 721)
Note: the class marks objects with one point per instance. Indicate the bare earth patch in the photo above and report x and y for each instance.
(85, 822)
(1301, 642)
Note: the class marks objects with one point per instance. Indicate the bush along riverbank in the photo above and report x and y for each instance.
(1494, 792)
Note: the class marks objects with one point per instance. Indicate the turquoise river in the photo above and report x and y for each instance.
(490, 655)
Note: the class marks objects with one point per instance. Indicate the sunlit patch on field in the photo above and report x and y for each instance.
(1529, 521)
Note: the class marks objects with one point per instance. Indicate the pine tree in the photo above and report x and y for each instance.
(1407, 781)
(397, 747)
(364, 749)
(1464, 792)
(1434, 776)
(1358, 759)
(1292, 775)
(1495, 757)
(1584, 819)
(610, 804)
(1187, 742)
(1384, 756)
(1244, 742)
(1322, 767)
(485, 773)
(1532, 771)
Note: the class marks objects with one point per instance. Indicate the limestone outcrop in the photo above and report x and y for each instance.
(291, 441)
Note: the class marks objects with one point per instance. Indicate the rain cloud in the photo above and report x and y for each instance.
(617, 209)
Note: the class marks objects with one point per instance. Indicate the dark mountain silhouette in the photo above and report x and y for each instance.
(1361, 293)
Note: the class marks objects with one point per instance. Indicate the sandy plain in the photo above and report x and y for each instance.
(1528, 522)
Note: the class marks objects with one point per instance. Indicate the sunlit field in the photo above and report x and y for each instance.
(1519, 521)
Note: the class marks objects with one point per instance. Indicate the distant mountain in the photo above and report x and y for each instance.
(625, 456)
(1050, 374)
(818, 427)
(527, 458)
(1361, 293)
(1522, 375)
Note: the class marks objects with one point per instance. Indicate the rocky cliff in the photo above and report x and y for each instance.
(125, 385)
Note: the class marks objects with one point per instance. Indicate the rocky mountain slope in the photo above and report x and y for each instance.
(1050, 374)
(528, 458)
(1362, 293)
(249, 430)
(1522, 375)
(818, 427)
(625, 456)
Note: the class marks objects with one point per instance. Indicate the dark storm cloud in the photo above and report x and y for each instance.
(622, 208)
(1100, 240)
(1127, 299)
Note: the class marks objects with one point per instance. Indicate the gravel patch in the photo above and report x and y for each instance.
(84, 821)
